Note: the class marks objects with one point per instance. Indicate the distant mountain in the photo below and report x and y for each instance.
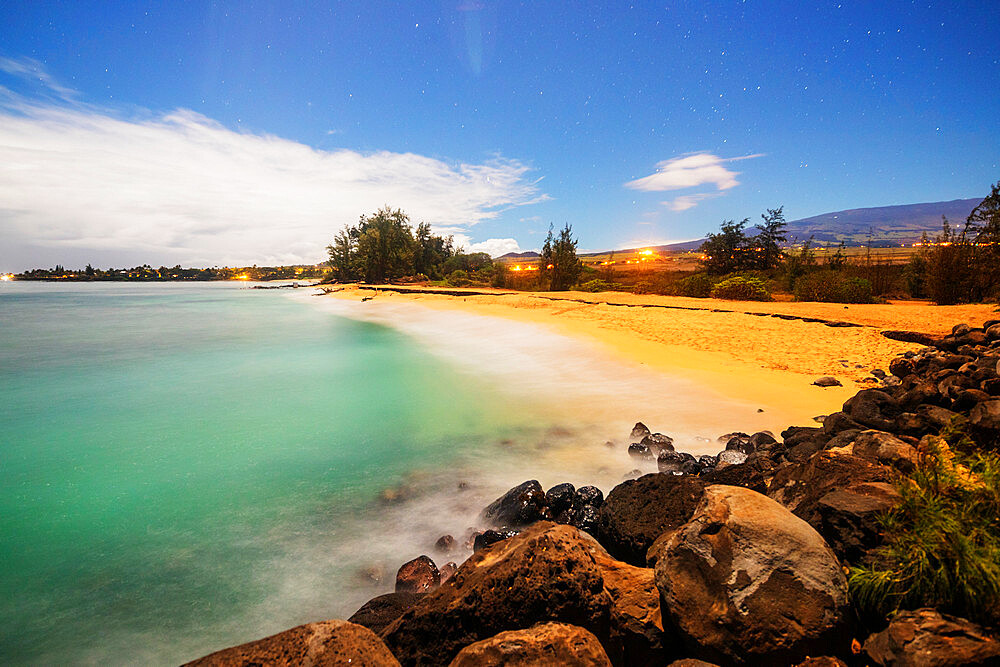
(902, 224)
(886, 224)
(520, 255)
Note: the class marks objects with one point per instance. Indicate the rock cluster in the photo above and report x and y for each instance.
(733, 558)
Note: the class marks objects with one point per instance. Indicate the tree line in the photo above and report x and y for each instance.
(385, 247)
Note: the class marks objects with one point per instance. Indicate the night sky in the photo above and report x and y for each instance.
(232, 133)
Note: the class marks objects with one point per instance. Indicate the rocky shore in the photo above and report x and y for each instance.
(735, 558)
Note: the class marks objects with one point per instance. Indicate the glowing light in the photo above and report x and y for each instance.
(243, 277)
(646, 252)
(7, 277)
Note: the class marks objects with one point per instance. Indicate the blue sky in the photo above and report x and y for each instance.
(224, 133)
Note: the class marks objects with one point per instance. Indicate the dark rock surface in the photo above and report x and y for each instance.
(543, 644)
(927, 637)
(520, 506)
(379, 612)
(549, 572)
(848, 518)
(417, 576)
(323, 644)
(799, 487)
(638, 511)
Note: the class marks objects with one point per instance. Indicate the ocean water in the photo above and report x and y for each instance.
(188, 467)
(183, 467)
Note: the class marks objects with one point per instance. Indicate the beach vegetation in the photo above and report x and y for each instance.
(831, 286)
(941, 543)
(696, 285)
(600, 285)
(729, 250)
(742, 288)
(458, 278)
(770, 237)
(558, 263)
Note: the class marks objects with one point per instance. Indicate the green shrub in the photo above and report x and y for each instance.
(833, 287)
(742, 288)
(697, 284)
(599, 285)
(941, 542)
(459, 278)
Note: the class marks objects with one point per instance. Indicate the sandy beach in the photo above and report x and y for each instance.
(725, 346)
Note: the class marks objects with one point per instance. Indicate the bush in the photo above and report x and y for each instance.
(833, 287)
(599, 285)
(459, 278)
(742, 288)
(942, 541)
(697, 284)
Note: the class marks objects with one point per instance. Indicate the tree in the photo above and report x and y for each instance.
(341, 253)
(385, 245)
(726, 251)
(558, 261)
(770, 237)
(983, 224)
(430, 251)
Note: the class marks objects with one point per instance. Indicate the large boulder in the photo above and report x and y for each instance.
(800, 487)
(872, 408)
(550, 572)
(928, 637)
(886, 449)
(849, 518)
(518, 507)
(379, 612)
(638, 511)
(545, 644)
(323, 644)
(745, 581)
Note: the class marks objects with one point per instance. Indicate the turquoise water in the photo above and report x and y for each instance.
(184, 467)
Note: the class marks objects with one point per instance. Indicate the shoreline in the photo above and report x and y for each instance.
(725, 347)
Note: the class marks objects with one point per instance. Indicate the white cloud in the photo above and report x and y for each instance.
(496, 247)
(690, 171)
(183, 188)
(684, 202)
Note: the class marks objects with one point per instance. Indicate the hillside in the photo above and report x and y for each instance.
(888, 224)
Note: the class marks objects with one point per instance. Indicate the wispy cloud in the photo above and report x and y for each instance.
(684, 202)
(183, 188)
(690, 171)
(34, 71)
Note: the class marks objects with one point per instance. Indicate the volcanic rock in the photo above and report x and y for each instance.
(799, 487)
(379, 612)
(928, 637)
(638, 511)
(547, 573)
(658, 443)
(418, 576)
(848, 518)
(560, 498)
(518, 507)
(543, 644)
(323, 644)
(639, 431)
(886, 449)
(732, 577)
(729, 457)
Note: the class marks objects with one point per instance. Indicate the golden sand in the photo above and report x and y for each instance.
(742, 356)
